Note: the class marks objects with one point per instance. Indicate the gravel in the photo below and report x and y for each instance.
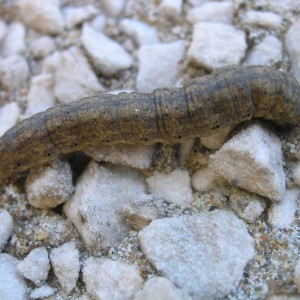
(58, 51)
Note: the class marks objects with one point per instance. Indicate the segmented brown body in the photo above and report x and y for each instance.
(166, 115)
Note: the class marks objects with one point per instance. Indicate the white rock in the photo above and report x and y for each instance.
(197, 2)
(113, 280)
(216, 140)
(174, 187)
(139, 157)
(42, 46)
(44, 16)
(96, 208)
(263, 19)
(159, 65)
(297, 276)
(209, 38)
(205, 180)
(49, 186)
(292, 43)
(140, 211)
(171, 8)
(204, 254)
(160, 288)
(3, 29)
(35, 266)
(42, 292)
(71, 85)
(252, 160)
(106, 60)
(139, 31)
(99, 23)
(9, 115)
(113, 7)
(66, 265)
(75, 16)
(267, 52)
(247, 206)
(41, 94)
(6, 227)
(14, 41)
(12, 285)
(282, 214)
(212, 12)
(296, 174)
(14, 72)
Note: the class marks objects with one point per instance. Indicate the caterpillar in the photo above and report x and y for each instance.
(200, 108)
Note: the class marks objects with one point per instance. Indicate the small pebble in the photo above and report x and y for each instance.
(66, 265)
(204, 47)
(159, 65)
(106, 60)
(44, 16)
(6, 227)
(35, 266)
(9, 115)
(14, 41)
(113, 280)
(42, 292)
(174, 187)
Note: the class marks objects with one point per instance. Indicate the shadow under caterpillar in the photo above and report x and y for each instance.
(204, 105)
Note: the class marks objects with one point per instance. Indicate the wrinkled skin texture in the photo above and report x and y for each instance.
(204, 105)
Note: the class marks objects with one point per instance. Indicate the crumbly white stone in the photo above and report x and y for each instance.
(44, 16)
(141, 32)
(158, 65)
(66, 265)
(139, 157)
(174, 187)
(3, 28)
(204, 254)
(268, 52)
(96, 208)
(247, 206)
(252, 160)
(69, 85)
(205, 180)
(106, 60)
(160, 288)
(99, 23)
(75, 16)
(213, 11)
(14, 41)
(41, 94)
(171, 8)
(292, 43)
(14, 72)
(282, 214)
(12, 285)
(140, 211)
(113, 7)
(42, 292)
(6, 227)
(108, 279)
(42, 46)
(48, 187)
(297, 276)
(205, 48)
(263, 18)
(35, 266)
(296, 174)
(9, 115)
